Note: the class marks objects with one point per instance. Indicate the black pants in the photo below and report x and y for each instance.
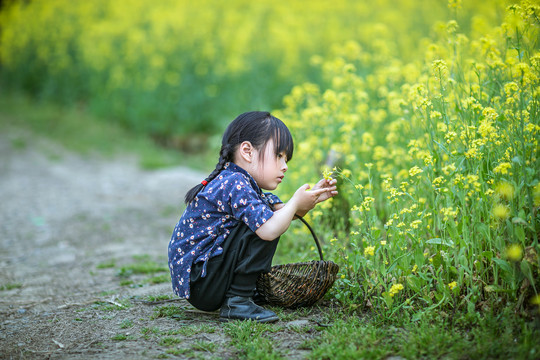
(234, 272)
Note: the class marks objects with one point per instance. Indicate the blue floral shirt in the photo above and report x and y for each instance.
(226, 201)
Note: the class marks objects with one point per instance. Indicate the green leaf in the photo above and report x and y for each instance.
(518, 220)
(526, 270)
(520, 234)
(488, 255)
(503, 264)
(439, 241)
(497, 289)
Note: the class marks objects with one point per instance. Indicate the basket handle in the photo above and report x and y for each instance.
(314, 236)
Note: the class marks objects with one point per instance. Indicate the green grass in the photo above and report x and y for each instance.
(142, 265)
(77, 131)
(112, 306)
(146, 267)
(168, 311)
(485, 336)
(148, 270)
(436, 336)
(159, 297)
(10, 286)
(252, 340)
(106, 265)
(125, 324)
(189, 330)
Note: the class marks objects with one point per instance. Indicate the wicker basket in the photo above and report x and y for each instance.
(298, 284)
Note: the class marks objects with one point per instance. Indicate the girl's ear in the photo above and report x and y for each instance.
(246, 151)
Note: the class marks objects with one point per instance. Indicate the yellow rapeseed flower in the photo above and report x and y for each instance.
(514, 252)
(395, 289)
(454, 4)
(346, 172)
(440, 69)
(452, 26)
(415, 224)
(327, 174)
(502, 168)
(501, 212)
(536, 194)
(505, 190)
(415, 170)
(452, 285)
(370, 250)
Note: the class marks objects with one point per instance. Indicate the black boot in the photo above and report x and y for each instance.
(243, 308)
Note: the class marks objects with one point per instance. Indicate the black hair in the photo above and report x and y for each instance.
(257, 127)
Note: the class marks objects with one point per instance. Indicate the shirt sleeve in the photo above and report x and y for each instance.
(272, 199)
(247, 205)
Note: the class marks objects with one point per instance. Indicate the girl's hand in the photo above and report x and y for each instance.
(329, 185)
(328, 188)
(302, 201)
(305, 200)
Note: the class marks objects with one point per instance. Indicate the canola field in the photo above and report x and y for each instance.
(438, 158)
(170, 68)
(427, 113)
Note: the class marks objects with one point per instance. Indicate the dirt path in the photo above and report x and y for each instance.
(70, 226)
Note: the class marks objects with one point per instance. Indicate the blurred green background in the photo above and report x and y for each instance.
(180, 71)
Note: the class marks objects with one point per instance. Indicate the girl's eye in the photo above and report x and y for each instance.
(281, 156)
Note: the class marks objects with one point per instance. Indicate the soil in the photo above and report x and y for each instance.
(70, 226)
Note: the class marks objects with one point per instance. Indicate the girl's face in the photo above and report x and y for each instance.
(269, 171)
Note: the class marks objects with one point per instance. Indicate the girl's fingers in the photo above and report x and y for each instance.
(320, 191)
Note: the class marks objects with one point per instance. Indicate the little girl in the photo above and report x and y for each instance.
(229, 231)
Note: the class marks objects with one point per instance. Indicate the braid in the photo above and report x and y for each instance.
(224, 155)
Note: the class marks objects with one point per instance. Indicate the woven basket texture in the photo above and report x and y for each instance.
(298, 284)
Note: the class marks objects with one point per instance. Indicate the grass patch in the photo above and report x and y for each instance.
(157, 272)
(122, 337)
(179, 352)
(160, 279)
(125, 324)
(10, 286)
(252, 340)
(106, 265)
(190, 330)
(142, 265)
(477, 337)
(169, 341)
(112, 306)
(126, 282)
(168, 311)
(207, 346)
(147, 332)
(76, 130)
(152, 298)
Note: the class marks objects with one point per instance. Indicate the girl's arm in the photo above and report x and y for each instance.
(301, 202)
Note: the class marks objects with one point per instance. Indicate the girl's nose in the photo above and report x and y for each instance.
(284, 166)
